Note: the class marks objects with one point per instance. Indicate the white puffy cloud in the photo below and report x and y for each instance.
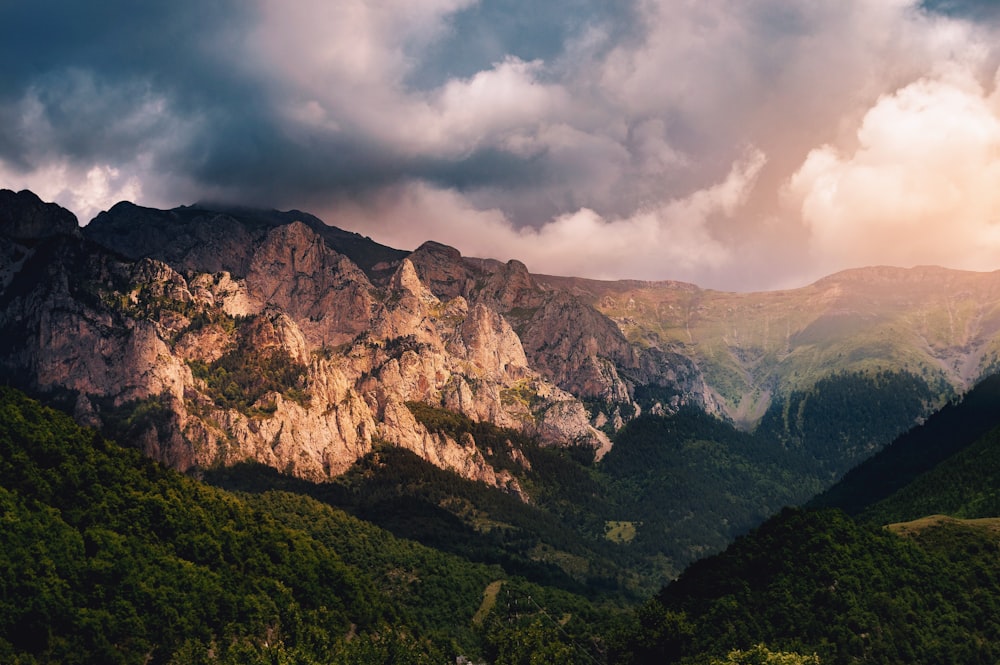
(627, 136)
(921, 187)
(342, 65)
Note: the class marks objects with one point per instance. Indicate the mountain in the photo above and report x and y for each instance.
(556, 436)
(108, 557)
(941, 325)
(571, 359)
(570, 343)
(263, 343)
(209, 336)
(911, 579)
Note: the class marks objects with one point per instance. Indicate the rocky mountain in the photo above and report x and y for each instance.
(213, 335)
(244, 337)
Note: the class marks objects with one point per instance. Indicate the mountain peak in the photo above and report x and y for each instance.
(438, 249)
(24, 216)
(889, 274)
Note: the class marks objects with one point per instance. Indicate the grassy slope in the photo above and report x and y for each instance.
(922, 525)
(935, 323)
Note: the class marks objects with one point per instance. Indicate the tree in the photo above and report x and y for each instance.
(761, 655)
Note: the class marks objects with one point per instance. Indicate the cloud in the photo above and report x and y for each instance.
(85, 193)
(922, 186)
(671, 236)
(87, 142)
(524, 126)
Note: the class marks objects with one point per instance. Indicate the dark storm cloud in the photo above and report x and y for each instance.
(487, 32)
(168, 40)
(99, 80)
(975, 9)
(107, 80)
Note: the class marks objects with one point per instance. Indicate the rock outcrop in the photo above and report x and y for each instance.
(235, 341)
(25, 217)
(292, 268)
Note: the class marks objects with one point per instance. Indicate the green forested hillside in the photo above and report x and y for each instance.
(671, 490)
(945, 433)
(107, 557)
(413, 499)
(846, 417)
(817, 582)
(692, 483)
(966, 485)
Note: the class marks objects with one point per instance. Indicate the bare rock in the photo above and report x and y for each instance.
(325, 292)
(24, 216)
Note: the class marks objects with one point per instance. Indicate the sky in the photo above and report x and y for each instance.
(736, 144)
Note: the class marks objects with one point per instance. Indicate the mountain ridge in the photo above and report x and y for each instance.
(367, 328)
(121, 333)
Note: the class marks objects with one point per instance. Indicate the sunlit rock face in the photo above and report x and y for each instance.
(206, 339)
(210, 337)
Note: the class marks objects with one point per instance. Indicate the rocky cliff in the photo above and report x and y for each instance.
(211, 335)
(228, 339)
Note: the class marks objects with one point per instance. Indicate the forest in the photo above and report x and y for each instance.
(110, 557)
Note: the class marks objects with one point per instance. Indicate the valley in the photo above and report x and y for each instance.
(538, 455)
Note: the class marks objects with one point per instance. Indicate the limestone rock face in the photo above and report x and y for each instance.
(511, 287)
(569, 418)
(569, 342)
(408, 308)
(486, 340)
(236, 341)
(579, 349)
(328, 295)
(222, 291)
(441, 268)
(73, 332)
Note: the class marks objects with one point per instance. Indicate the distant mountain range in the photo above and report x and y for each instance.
(144, 304)
(751, 348)
(213, 335)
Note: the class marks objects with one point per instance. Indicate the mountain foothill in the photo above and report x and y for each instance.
(231, 435)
